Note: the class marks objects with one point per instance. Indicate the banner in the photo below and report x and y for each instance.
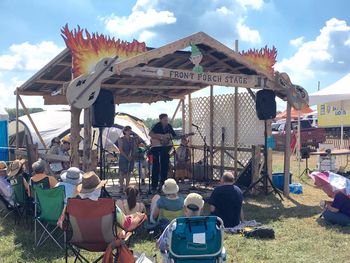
(334, 114)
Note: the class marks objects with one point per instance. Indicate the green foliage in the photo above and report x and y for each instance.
(12, 112)
(149, 122)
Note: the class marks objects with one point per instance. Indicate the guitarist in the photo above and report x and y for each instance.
(161, 132)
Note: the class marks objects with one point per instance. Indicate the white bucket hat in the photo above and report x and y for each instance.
(72, 176)
(170, 187)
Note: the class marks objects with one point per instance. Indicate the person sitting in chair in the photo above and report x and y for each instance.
(70, 179)
(183, 161)
(5, 187)
(168, 207)
(39, 174)
(338, 211)
(192, 206)
(226, 201)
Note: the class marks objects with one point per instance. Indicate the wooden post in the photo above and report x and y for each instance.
(17, 127)
(222, 152)
(183, 109)
(32, 122)
(236, 121)
(256, 157)
(269, 150)
(175, 112)
(87, 140)
(211, 134)
(75, 135)
(190, 116)
(287, 151)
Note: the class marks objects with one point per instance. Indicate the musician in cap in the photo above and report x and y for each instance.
(63, 150)
(161, 135)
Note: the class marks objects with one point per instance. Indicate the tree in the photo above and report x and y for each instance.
(12, 112)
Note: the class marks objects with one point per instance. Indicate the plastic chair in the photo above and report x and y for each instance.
(196, 239)
(49, 204)
(91, 224)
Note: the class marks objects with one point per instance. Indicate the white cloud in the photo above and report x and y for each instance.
(247, 34)
(327, 53)
(137, 21)
(28, 57)
(254, 4)
(297, 41)
(162, 21)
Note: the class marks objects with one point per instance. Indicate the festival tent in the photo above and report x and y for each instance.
(3, 135)
(294, 113)
(56, 123)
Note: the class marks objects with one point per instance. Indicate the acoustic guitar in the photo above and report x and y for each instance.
(168, 140)
(83, 91)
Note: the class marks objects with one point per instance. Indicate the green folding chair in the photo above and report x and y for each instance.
(49, 204)
(43, 184)
(20, 206)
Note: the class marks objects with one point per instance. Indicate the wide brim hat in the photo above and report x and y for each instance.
(72, 176)
(3, 166)
(90, 182)
(170, 187)
(15, 167)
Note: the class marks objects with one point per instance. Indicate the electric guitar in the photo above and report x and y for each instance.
(83, 91)
(168, 140)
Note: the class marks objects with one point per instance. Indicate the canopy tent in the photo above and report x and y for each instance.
(52, 124)
(3, 135)
(338, 91)
(294, 113)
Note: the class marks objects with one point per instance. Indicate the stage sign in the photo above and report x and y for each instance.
(208, 78)
(334, 114)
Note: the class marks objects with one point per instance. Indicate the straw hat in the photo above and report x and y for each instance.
(15, 167)
(3, 166)
(194, 202)
(170, 187)
(89, 183)
(66, 138)
(72, 176)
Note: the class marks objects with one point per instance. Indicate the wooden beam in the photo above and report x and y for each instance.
(50, 81)
(190, 116)
(32, 122)
(146, 87)
(207, 78)
(211, 126)
(55, 100)
(87, 140)
(183, 112)
(17, 116)
(287, 151)
(236, 121)
(66, 64)
(75, 135)
(175, 112)
(269, 150)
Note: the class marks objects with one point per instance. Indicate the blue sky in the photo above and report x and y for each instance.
(312, 37)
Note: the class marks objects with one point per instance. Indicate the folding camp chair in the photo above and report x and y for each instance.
(20, 206)
(196, 239)
(43, 184)
(49, 205)
(91, 226)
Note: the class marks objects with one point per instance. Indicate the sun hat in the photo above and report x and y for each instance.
(66, 139)
(72, 176)
(89, 183)
(15, 167)
(3, 166)
(170, 187)
(194, 202)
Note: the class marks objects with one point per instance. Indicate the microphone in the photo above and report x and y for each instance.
(194, 125)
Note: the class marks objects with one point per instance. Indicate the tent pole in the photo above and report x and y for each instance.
(298, 143)
(287, 152)
(17, 127)
(341, 129)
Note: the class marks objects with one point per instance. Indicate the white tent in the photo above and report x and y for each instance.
(338, 91)
(56, 123)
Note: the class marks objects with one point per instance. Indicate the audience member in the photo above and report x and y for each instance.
(39, 174)
(183, 161)
(338, 211)
(130, 205)
(70, 179)
(226, 201)
(5, 187)
(192, 206)
(171, 202)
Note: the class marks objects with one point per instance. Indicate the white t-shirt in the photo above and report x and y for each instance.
(69, 190)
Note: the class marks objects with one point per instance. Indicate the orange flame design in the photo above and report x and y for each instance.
(265, 58)
(86, 52)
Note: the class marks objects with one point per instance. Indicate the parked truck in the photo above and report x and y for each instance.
(310, 136)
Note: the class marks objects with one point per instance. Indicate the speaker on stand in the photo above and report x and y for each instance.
(305, 154)
(103, 112)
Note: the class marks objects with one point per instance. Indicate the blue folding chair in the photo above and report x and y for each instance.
(196, 239)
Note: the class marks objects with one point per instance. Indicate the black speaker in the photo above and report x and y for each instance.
(265, 104)
(103, 110)
(305, 153)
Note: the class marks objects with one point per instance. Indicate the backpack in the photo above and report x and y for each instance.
(259, 232)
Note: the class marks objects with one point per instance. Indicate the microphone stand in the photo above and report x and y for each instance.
(205, 153)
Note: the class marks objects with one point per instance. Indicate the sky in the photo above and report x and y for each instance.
(312, 37)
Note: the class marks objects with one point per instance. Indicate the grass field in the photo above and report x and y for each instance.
(300, 235)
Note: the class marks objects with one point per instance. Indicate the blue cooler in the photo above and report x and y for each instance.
(296, 188)
(278, 180)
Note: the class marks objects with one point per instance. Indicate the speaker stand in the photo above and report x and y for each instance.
(306, 171)
(104, 192)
